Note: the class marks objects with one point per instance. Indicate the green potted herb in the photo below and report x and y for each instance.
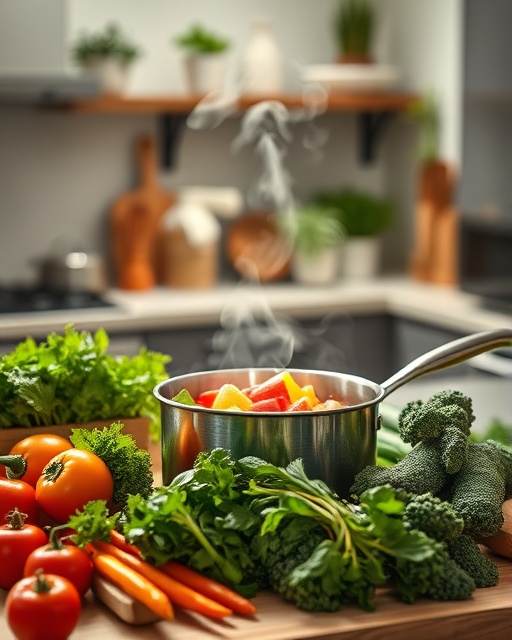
(364, 217)
(205, 61)
(110, 53)
(315, 235)
(354, 30)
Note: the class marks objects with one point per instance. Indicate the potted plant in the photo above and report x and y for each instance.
(364, 217)
(314, 235)
(355, 29)
(110, 54)
(205, 60)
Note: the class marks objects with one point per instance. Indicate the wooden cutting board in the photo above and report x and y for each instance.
(135, 220)
(488, 615)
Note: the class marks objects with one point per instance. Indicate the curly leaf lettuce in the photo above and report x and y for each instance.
(71, 378)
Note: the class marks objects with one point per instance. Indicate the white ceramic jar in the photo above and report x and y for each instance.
(262, 63)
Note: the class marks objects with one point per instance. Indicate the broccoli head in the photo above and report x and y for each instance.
(478, 489)
(420, 471)
(435, 517)
(437, 577)
(445, 420)
(467, 554)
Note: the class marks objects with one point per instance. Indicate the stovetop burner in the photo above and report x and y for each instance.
(26, 299)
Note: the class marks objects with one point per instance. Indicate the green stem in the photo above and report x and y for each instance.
(40, 583)
(54, 540)
(229, 570)
(16, 465)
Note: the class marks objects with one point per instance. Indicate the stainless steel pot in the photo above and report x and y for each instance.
(334, 445)
(73, 272)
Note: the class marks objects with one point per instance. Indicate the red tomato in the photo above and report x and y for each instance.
(43, 606)
(70, 480)
(32, 454)
(17, 541)
(16, 493)
(65, 560)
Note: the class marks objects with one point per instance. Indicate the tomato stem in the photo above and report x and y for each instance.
(16, 465)
(16, 519)
(53, 470)
(54, 539)
(40, 583)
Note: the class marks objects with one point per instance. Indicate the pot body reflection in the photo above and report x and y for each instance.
(333, 445)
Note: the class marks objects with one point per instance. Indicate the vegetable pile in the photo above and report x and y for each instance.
(71, 378)
(280, 393)
(226, 528)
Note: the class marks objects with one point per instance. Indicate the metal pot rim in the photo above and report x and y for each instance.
(378, 390)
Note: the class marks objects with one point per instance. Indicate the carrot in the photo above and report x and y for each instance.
(209, 588)
(119, 541)
(131, 582)
(177, 592)
(193, 579)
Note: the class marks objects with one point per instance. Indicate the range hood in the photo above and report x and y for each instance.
(46, 87)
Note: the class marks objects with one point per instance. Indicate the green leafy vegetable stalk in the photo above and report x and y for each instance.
(201, 520)
(71, 378)
(130, 466)
(350, 552)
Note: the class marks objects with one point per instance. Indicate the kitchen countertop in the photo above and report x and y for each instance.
(164, 308)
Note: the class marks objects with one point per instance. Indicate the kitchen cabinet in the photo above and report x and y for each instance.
(374, 109)
(337, 342)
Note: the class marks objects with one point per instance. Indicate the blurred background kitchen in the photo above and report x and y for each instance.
(73, 154)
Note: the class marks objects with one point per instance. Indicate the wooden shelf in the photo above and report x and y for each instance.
(184, 104)
(374, 110)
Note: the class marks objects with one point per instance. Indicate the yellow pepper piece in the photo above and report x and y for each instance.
(309, 392)
(294, 391)
(230, 396)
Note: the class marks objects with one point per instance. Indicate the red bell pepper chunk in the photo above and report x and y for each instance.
(206, 398)
(300, 405)
(270, 404)
(272, 388)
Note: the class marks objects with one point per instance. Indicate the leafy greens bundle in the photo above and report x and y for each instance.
(251, 524)
(71, 378)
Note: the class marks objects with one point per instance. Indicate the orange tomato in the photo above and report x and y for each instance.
(36, 451)
(70, 480)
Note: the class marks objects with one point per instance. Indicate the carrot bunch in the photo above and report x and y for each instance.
(160, 588)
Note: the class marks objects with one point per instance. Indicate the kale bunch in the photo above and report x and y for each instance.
(320, 552)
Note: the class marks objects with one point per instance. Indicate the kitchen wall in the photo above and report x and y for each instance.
(59, 172)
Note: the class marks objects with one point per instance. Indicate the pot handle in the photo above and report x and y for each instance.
(448, 355)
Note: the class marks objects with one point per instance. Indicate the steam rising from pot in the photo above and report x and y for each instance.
(251, 333)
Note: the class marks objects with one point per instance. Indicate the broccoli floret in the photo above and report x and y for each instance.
(421, 471)
(435, 517)
(445, 419)
(478, 489)
(437, 577)
(467, 554)
(453, 583)
(130, 466)
(453, 444)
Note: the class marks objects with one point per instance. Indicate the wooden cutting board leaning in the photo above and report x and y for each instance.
(135, 218)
